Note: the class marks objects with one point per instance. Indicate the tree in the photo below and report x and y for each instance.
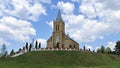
(30, 47)
(36, 44)
(4, 50)
(117, 47)
(108, 50)
(26, 45)
(39, 45)
(19, 50)
(24, 48)
(12, 52)
(99, 50)
(89, 49)
(84, 48)
(102, 49)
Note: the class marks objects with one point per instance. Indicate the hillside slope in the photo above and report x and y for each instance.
(61, 59)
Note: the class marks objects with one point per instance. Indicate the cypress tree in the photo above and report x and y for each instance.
(36, 44)
(26, 45)
(84, 48)
(30, 47)
(39, 45)
(12, 52)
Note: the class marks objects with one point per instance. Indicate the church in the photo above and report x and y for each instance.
(59, 39)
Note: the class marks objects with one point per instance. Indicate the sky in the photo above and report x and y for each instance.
(91, 23)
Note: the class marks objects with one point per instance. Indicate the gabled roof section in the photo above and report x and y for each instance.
(59, 17)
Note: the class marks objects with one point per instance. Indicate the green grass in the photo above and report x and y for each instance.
(61, 59)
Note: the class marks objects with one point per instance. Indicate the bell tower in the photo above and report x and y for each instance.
(59, 25)
(58, 31)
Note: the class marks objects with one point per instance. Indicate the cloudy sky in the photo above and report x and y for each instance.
(90, 22)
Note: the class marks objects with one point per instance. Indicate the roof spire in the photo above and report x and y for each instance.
(59, 18)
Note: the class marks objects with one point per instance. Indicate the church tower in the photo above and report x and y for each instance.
(59, 31)
(59, 39)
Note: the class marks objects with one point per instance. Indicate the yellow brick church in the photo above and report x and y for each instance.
(59, 39)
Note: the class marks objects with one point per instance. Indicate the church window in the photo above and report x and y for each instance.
(58, 27)
(57, 39)
(70, 46)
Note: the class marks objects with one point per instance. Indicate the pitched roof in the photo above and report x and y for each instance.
(59, 17)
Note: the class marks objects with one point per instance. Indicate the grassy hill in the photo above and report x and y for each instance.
(61, 59)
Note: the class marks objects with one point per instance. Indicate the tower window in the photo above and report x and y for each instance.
(58, 27)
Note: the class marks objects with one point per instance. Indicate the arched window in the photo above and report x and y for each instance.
(56, 27)
(70, 46)
(57, 39)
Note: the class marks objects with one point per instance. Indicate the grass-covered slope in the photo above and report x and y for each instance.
(62, 59)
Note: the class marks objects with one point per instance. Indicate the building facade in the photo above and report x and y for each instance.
(59, 39)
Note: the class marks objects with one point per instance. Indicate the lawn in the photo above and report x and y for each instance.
(61, 59)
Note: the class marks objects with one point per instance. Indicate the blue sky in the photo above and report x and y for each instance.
(90, 22)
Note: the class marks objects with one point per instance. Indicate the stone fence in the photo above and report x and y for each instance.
(47, 49)
(54, 49)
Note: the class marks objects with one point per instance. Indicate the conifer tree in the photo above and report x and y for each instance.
(102, 49)
(12, 52)
(24, 48)
(36, 44)
(30, 47)
(99, 50)
(4, 50)
(89, 49)
(84, 48)
(26, 45)
(117, 47)
(108, 50)
(19, 50)
(40, 45)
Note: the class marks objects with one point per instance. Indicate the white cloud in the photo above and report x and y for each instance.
(88, 47)
(75, 0)
(111, 45)
(97, 48)
(45, 1)
(97, 18)
(22, 9)
(111, 4)
(95, 22)
(43, 42)
(87, 8)
(84, 30)
(50, 23)
(67, 7)
(2, 41)
(14, 16)
(15, 29)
